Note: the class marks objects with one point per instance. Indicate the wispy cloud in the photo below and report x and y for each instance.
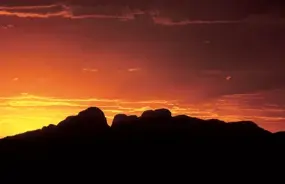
(41, 104)
(134, 69)
(26, 99)
(90, 70)
(35, 11)
(228, 78)
(172, 13)
(65, 11)
(26, 96)
(169, 22)
(30, 7)
(68, 12)
(238, 105)
(36, 111)
(8, 26)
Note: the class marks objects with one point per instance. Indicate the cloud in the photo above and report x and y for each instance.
(70, 11)
(28, 97)
(35, 11)
(8, 26)
(169, 22)
(169, 13)
(223, 82)
(228, 78)
(29, 8)
(134, 69)
(104, 12)
(253, 106)
(90, 70)
(38, 103)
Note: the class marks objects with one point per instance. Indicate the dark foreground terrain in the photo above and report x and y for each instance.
(155, 141)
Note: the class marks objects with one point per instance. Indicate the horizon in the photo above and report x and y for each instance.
(208, 60)
(61, 108)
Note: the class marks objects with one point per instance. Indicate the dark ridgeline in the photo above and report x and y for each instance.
(156, 140)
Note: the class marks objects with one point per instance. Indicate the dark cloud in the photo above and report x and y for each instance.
(252, 82)
(168, 12)
(12, 3)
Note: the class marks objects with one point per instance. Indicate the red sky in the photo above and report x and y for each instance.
(210, 60)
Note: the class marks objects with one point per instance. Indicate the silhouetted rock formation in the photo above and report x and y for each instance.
(163, 113)
(119, 118)
(87, 123)
(88, 134)
(148, 114)
(122, 119)
(159, 113)
(132, 118)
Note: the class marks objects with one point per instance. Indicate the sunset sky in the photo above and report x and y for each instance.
(220, 59)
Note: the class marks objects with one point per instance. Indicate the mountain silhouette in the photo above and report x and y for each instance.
(155, 140)
(152, 124)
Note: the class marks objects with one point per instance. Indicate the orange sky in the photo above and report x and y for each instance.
(28, 112)
(58, 59)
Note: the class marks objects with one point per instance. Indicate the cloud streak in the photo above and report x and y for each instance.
(29, 7)
(46, 11)
(32, 100)
(90, 70)
(169, 22)
(65, 11)
(134, 69)
(249, 105)
(124, 12)
(28, 112)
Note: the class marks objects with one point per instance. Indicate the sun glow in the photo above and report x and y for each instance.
(29, 112)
